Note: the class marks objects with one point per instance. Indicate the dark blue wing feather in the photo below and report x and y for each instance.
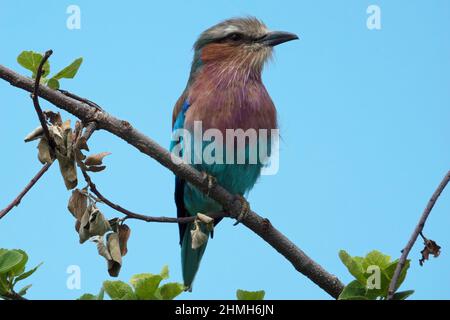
(179, 183)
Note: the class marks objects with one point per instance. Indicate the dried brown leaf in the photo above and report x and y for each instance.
(115, 263)
(207, 220)
(204, 218)
(77, 130)
(57, 136)
(198, 237)
(77, 226)
(68, 170)
(83, 230)
(95, 168)
(82, 143)
(96, 159)
(98, 225)
(44, 152)
(69, 144)
(35, 134)
(78, 203)
(101, 248)
(124, 235)
(431, 247)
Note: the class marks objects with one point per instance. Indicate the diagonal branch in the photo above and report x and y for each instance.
(35, 97)
(124, 130)
(417, 231)
(27, 188)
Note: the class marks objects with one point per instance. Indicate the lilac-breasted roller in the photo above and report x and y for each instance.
(224, 91)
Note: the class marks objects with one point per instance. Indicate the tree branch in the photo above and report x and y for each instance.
(35, 98)
(27, 188)
(417, 231)
(124, 130)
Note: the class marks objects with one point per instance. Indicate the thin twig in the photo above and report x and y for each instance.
(40, 114)
(27, 188)
(124, 130)
(422, 236)
(35, 97)
(417, 231)
(76, 97)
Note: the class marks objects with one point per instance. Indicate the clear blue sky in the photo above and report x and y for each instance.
(364, 117)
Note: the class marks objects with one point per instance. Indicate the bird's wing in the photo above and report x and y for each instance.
(179, 183)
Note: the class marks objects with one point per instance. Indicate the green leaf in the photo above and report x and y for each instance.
(27, 274)
(250, 295)
(145, 285)
(354, 266)
(165, 272)
(10, 260)
(53, 84)
(390, 270)
(118, 290)
(20, 267)
(353, 291)
(402, 295)
(4, 285)
(88, 296)
(30, 60)
(70, 71)
(376, 258)
(24, 290)
(170, 290)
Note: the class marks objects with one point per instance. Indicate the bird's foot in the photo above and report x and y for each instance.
(245, 209)
(212, 181)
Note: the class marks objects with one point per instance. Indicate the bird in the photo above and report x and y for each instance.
(224, 91)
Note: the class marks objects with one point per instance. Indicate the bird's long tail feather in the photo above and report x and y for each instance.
(190, 258)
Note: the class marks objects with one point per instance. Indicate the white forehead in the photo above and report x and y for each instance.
(251, 26)
(231, 29)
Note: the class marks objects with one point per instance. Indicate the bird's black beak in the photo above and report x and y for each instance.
(277, 37)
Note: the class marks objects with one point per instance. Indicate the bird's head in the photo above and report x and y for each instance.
(239, 43)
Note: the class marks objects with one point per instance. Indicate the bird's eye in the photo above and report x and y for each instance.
(235, 36)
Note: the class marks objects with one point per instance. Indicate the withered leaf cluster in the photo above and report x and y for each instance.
(431, 247)
(62, 135)
(110, 236)
(68, 145)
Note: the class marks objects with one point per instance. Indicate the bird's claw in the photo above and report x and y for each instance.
(212, 181)
(245, 209)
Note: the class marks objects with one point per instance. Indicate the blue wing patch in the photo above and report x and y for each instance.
(179, 183)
